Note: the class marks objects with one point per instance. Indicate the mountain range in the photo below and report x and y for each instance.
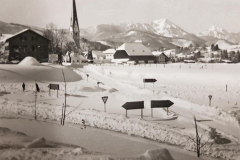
(157, 34)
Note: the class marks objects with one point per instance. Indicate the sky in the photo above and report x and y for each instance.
(191, 15)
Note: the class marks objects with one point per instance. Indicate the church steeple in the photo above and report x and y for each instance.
(74, 26)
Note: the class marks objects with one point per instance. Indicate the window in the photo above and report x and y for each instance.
(34, 38)
(33, 48)
(23, 48)
(15, 48)
(45, 48)
(23, 38)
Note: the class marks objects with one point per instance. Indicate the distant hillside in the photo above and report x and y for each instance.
(223, 43)
(12, 28)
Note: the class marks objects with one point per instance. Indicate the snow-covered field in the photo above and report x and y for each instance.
(186, 85)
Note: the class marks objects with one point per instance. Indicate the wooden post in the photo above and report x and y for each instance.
(49, 91)
(104, 107)
(151, 112)
(142, 113)
(35, 104)
(209, 102)
(167, 110)
(57, 93)
(126, 113)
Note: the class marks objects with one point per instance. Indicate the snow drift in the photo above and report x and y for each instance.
(29, 61)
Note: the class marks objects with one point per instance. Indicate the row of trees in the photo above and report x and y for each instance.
(214, 47)
(189, 50)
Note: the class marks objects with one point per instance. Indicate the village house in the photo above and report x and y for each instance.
(98, 55)
(162, 58)
(28, 42)
(109, 53)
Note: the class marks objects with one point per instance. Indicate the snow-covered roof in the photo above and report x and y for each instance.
(109, 51)
(168, 52)
(156, 53)
(135, 49)
(180, 55)
(25, 30)
(98, 53)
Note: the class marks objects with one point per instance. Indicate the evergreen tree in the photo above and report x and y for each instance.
(212, 47)
(89, 55)
(215, 48)
(238, 55)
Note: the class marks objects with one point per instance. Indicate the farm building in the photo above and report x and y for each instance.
(134, 52)
(109, 53)
(162, 58)
(28, 42)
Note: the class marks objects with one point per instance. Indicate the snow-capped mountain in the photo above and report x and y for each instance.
(219, 33)
(166, 28)
(162, 27)
(215, 32)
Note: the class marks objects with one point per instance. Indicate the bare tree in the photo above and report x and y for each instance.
(65, 98)
(198, 141)
(57, 39)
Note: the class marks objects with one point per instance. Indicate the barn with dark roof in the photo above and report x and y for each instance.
(134, 52)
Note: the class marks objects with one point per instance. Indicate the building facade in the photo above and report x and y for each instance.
(28, 43)
(162, 58)
(109, 54)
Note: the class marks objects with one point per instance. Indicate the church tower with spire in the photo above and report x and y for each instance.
(74, 25)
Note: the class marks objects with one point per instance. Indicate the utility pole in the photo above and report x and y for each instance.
(35, 101)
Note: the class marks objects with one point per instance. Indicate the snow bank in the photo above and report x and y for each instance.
(212, 112)
(29, 61)
(37, 143)
(158, 154)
